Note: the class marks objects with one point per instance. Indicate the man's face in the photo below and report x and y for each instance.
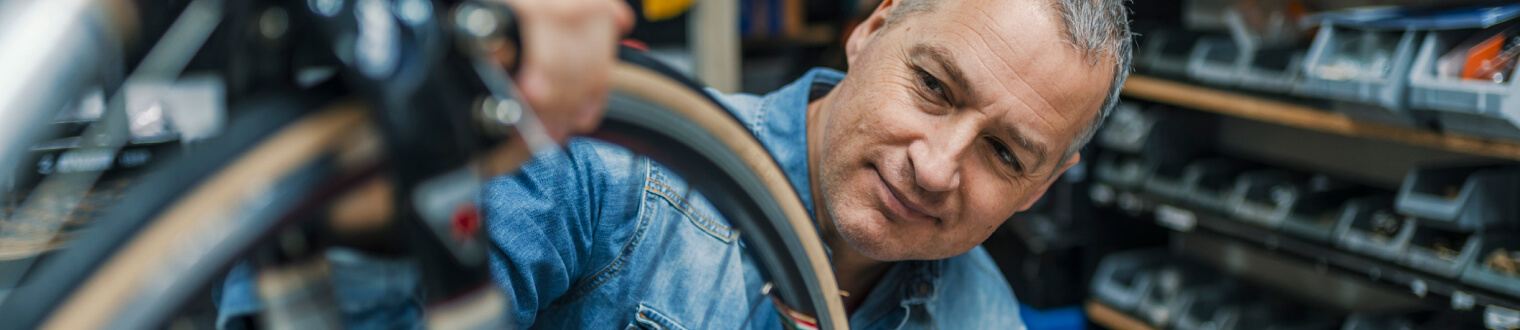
(950, 121)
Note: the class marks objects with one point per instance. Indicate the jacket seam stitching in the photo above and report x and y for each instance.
(760, 117)
(684, 206)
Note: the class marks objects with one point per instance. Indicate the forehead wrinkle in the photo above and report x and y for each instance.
(1021, 50)
(1000, 125)
(985, 39)
(1046, 102)
(1008, 44)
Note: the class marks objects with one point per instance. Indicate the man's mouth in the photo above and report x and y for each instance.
(898, 203)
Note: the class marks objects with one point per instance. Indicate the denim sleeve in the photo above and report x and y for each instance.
(557, 219)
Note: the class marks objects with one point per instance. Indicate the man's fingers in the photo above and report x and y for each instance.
(567, 61)
(623, 16)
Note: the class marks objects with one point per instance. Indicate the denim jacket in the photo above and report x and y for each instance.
(596, 237)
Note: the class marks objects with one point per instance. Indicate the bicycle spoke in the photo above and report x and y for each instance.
(754, 306)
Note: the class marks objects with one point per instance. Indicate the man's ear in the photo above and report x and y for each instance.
(1036, 197)
(867, 30)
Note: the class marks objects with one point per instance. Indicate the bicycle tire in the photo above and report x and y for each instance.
(664, 119)
(28, 306)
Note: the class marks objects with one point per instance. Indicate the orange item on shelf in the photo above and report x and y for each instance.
(1479, 56)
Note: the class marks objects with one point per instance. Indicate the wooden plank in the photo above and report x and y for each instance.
(1110, 318)
(1288, 114)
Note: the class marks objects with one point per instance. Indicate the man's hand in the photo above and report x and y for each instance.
(569, 47)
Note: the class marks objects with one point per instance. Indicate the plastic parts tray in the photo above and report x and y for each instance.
(1218, 61)
(1121, 279)
(1316, 214)
(1127, 128)
(1211, 309)
(1166, 51)
(1466, 198)
(1461, 105)
(1335, 69)
(1176, 285)
(1494, 270)
(1122, 171)
(1440, 251)
(1167, 180)
(1264, 197)
(1369, 226)
(1209, 183)
(1274, 70)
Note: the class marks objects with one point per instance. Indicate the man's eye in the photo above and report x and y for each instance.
(1005, 155)
(933, 85)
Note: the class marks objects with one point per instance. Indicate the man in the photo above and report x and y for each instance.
(955, 115)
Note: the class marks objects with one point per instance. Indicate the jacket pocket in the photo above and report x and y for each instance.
(649, 319)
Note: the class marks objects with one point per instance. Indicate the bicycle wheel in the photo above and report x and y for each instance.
(136, 272)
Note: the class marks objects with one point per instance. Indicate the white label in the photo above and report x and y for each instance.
(1495, 317)
(1102, 194)
(1129, 203)
(1461, 301)
(1418, 288)
(1175, 218)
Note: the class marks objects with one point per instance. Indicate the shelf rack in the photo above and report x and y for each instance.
(1209, 99)
(1313, 253)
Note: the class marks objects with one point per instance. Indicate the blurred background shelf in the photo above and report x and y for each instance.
(1256, 108)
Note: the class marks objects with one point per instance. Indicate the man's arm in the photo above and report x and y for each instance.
(548, 220)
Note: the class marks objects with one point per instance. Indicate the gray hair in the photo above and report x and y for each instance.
(1097, 28)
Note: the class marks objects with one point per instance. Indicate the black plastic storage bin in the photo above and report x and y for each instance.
(1175, 284)
(1334, 70)
(1469, 106)
(1121, 279)
(1211, 310)
(1464, 198)
(1494, 269)
(1209, 183)
(1121, 171)
(1370, 226)
(1264, 197)
(1441, 251)
(1274, 70)
(1218, 61)
(1126, 129)
(1167, 180)
(1166, 51)
(1316, 214)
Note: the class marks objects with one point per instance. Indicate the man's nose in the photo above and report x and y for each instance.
(937, 158)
